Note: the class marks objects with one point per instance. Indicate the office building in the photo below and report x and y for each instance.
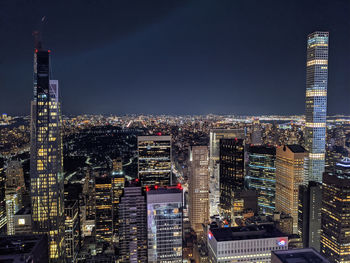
(261, 176)
(252, 243)
(3, 218)
(72, 230)
(290, 174)
(14, 192)
(23, 221)
(198, 187)
(103, 208)
(132, 225)
(231, 175)
(316, 103)
(46, 157)
(26, 248)
(118, 183)
(164, 224)
(303, 255)
(335, 213)
(154, 160)
(214, 166)
(309, 218)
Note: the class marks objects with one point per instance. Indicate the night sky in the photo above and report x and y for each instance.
(174, 56)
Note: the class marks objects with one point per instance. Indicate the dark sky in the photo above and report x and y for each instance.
(174, 56)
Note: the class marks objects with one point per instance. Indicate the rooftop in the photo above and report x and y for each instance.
(295, 148)
(246, 232)
(304, 255)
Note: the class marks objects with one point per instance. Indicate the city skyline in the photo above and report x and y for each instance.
(196, 53)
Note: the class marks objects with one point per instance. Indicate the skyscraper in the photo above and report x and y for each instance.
(316, 103)
(290, 174)
(310, 196)
(261, 176)
(118, 182)
(198, 187)
(231, 175)
(133, 225)
(154, 160)
(46, 157)
(214, 166)
(335, 212)
(104, 210)
(164, 224)
(14, 192)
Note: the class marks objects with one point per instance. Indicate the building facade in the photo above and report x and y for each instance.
(103, 208)
(335, 213)
(14, 193)
(154, 160)
(309, 218)
(133, 225)
(46, 173)
(290, 174)
(231, 175)
(164, 224)
(316, 103)
(198, 187)
(261, 176)
(214, 166)
(245, 244)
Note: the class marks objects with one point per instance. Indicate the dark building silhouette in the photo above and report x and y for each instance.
(231, 174)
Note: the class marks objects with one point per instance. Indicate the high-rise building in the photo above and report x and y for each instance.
(118, 183)
(290, 174)
(335, 213)
(261, 176)
(23, 221)
(154, 160)
(46, 157)
(133, 226)
(231, 175)
(198, 187)
(316, 103)
(14, 191)
(252, 243)
(214, 166)
(164, 224)
(3, 218)
(309, 224)
(104, 211)
(72, 232)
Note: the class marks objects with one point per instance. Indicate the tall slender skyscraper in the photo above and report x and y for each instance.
(316, 103)
(47, 194)
(198, 187)
(231, 176)
(290, 174)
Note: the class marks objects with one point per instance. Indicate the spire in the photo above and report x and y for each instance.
(37, 39)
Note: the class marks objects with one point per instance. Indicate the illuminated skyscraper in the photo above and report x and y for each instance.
(231, 176)
(118, 182)
(164, 224)
(133, 225)
(14, 191)
(261, 176)
(316, 103)
(214, 166)
(154, 162)
(104, 210)
(290, 174)
(335, 212)
(198, 187)
(46, 157)
(3, 218)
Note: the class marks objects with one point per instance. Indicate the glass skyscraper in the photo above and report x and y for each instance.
(47, 194)
(164, 224)
(261, 176)
(316, 103)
